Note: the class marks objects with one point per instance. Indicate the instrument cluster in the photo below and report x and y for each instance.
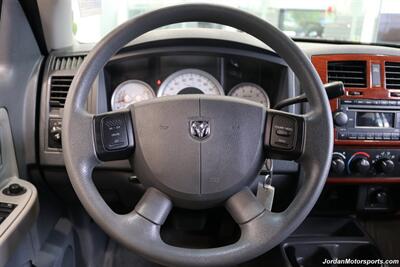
(185, 81)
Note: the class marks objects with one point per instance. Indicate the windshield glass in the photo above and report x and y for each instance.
(372, 21)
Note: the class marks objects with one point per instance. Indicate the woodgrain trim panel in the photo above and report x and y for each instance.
(320, 62)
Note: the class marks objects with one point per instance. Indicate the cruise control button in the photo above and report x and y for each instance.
(282, 142)
(282, 132)
(114, 133)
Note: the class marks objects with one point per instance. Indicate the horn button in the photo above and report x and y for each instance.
(198, 149)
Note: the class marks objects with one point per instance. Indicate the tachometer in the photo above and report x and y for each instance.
(190, 81)
(250, 91)
(130, 92)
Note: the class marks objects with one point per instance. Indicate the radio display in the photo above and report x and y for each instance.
(375, 119)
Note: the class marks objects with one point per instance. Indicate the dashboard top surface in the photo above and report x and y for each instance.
(309, 48)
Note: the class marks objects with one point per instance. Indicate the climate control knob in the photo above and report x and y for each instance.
(385, 166)
(340, 118)
(360, 166)
(338, 165)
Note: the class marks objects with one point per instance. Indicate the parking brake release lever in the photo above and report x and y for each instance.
(333, 90)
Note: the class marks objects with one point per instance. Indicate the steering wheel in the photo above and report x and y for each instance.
(197, 151)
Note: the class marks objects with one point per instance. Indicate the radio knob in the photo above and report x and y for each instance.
(360, 165)
(337, 166)
(381, 197)
(385, 166)
(340, 118)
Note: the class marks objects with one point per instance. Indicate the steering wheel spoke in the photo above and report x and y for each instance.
(113, 135)
(154, 206)
(244, 206)
(284, 135)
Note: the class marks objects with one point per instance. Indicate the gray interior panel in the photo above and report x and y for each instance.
(21, 62)
(17, 224)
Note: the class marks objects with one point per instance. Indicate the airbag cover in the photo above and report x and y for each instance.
(198, 149)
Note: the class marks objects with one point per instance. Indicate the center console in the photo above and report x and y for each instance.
(366, 127)
(366, 118)
(366, 122)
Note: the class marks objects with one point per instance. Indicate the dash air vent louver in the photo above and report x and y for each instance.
(59, 86)
(392, 75)
(351, 73)
(67, 63)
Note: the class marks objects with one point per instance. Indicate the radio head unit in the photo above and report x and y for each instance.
(367, 119)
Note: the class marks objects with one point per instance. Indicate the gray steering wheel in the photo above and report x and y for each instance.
(197, 151)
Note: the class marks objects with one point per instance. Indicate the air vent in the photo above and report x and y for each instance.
(67, 63)
(392, 71)
(351, 73)
(59, 86)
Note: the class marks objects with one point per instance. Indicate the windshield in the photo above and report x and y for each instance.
(372, 21)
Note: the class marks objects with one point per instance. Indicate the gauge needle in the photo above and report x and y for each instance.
(127, 98)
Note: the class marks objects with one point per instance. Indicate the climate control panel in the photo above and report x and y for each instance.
(365, 163)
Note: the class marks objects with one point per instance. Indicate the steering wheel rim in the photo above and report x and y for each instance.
(261, 229)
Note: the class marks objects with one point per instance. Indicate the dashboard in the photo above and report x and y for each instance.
(167, 62)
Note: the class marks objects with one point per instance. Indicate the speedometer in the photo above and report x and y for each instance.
(130, 92)
(252, 92)
(190, 81)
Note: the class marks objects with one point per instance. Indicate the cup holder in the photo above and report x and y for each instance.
(307, 255)
(321, 239)
(314, 254)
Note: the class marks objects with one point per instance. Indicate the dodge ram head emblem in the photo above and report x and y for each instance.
(200, 129)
